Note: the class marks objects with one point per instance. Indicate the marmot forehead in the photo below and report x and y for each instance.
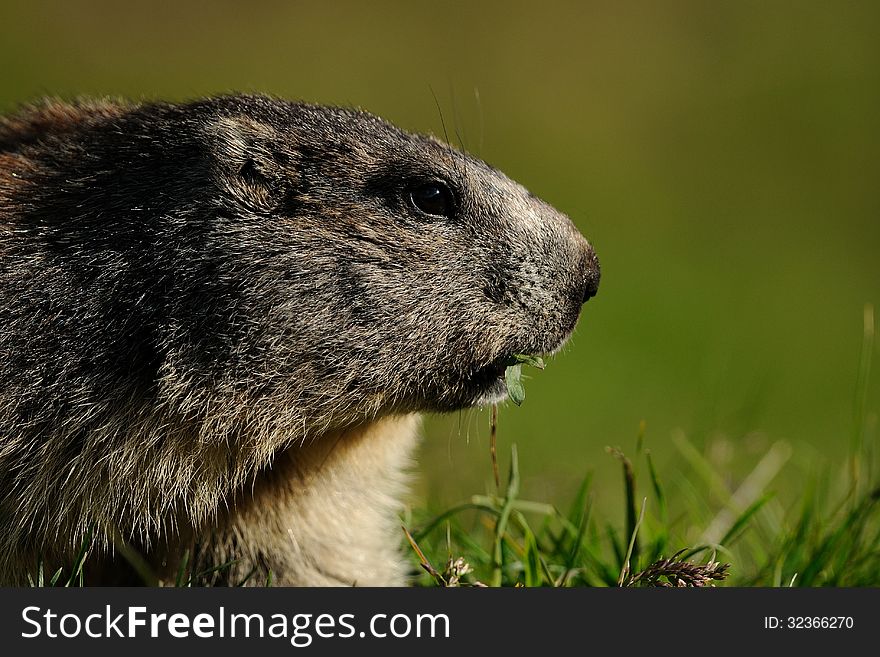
(355, 136)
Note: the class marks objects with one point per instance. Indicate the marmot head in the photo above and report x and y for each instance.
(309, 261)
(192, 289)
(381, 267)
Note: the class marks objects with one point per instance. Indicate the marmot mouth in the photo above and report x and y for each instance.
(489, 384)
(489, 380)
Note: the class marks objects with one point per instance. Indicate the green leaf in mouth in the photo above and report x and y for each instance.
(513, 376)
(526, 359)
(515, 389)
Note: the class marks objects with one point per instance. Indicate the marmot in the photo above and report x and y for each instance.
(220, 321)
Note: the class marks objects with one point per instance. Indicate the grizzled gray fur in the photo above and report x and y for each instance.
(220, 321)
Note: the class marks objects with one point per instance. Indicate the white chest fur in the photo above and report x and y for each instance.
(326, 513)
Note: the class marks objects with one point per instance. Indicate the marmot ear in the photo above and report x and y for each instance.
(249, 166)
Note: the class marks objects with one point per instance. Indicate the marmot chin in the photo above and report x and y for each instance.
(220, 322)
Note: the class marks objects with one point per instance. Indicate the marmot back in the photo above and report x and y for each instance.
(220, 321)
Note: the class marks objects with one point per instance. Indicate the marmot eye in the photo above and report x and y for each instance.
(432, 198)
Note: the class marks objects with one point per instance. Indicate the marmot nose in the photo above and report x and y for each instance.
(592, 275)
(592, 286)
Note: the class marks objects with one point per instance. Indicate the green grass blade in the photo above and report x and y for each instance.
(743, 520)
(503, 518)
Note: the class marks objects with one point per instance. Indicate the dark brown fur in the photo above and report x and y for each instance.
(220, 320)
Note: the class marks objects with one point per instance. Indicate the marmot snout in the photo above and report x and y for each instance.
(220, 320)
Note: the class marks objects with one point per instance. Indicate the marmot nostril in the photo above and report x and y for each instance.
(592, 284)
(591, 273)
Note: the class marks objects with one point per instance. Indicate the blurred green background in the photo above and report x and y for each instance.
(723, 158)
